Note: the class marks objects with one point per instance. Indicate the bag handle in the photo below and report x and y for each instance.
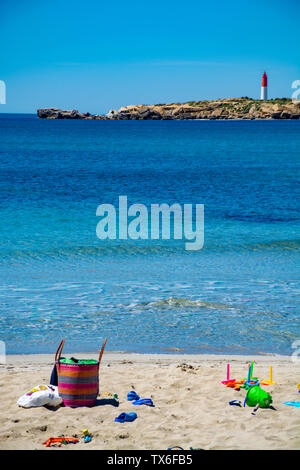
(59, 350)
(102, 350)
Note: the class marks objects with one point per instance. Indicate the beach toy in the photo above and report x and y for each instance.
(235, 402)
(250, 379)
(126, 417)
(236, 384)
(227, 379)
(113, 395)
(258, 396)
(78, 379)
(251, 372)
(249, 384)
(132, 396)
(269, 382)
(292, 403)
(230, 384)
(60, 440)
(87, 436)
(143, 401)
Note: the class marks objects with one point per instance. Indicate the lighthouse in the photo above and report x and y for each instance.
(264, 87)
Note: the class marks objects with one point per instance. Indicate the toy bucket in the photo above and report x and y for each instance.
(78, 382)
(258, 396)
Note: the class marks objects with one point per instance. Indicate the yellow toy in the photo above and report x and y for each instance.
(87, 436)
(269, 382)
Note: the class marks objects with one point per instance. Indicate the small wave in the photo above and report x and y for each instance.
(262, 218)
(293, 245)
(178, 302)
(129, 249)
(272, 245)
(89, 251)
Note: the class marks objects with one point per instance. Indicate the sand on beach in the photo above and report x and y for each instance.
(191, 404)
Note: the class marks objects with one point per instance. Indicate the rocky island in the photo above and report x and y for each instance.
(222, 109)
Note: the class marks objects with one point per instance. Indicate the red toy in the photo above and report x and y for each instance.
(61, 440)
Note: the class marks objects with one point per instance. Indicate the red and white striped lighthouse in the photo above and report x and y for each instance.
(264, 87)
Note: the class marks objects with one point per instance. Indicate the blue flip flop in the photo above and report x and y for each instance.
(292, 403)
(123, 417)
(132, 396)
(143, 401)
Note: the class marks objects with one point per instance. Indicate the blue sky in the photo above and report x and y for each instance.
(93, 55)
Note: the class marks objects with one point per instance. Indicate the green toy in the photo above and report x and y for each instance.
(251, 379)
(258, 396)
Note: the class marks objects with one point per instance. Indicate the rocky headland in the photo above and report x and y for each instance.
(55, 113)
(230, 108)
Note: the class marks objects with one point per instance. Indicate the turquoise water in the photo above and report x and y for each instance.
(57, 279)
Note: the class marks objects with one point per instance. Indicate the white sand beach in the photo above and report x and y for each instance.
(191, 404)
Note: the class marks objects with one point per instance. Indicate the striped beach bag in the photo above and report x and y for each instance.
(78, 380)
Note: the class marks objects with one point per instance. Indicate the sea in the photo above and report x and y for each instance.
(238, 294)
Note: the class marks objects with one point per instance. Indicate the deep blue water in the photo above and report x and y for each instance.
(57, 279)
